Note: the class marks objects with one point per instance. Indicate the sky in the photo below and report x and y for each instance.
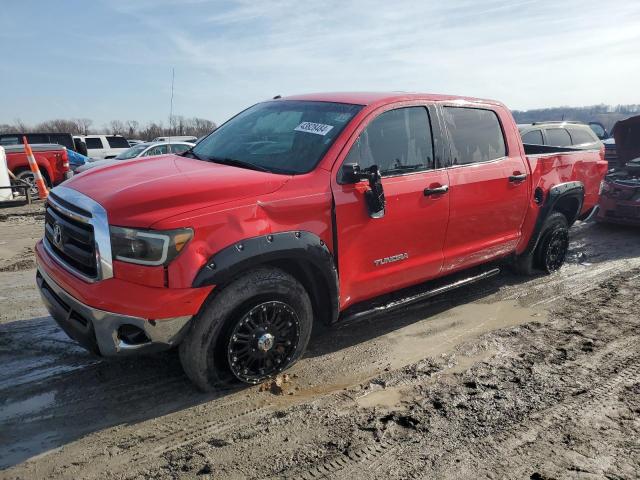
(112, 59)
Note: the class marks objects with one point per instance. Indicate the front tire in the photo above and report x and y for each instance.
(249, 331)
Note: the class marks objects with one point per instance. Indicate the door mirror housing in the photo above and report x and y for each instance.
(376, 202)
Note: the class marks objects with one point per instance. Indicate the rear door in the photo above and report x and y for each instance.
(403, 247)
(488, 187)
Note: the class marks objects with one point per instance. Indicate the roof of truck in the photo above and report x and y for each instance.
(368, 98)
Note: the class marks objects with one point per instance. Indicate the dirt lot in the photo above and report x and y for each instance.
(514, 378)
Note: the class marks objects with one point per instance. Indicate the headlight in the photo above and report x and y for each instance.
(148, 247)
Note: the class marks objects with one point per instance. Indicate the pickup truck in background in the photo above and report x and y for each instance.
(305, 209)
(52, 160)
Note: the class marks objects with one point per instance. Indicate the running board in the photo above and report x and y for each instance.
(357, 311)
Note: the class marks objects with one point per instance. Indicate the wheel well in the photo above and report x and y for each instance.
(569, 206)
(313, 281)
(44, 173)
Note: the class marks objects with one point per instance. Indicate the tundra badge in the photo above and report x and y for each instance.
(391, 259)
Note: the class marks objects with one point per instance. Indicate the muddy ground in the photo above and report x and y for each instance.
(533, 378)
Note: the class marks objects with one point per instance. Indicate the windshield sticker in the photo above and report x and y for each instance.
(317, 128)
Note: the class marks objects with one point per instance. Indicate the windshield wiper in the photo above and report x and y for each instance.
(238, 163)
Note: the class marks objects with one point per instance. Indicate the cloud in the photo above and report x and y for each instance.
(228, 55)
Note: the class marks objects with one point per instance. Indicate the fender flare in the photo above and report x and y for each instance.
(556, 193)
(302, 247)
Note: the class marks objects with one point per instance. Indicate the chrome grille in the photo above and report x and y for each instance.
(72, 241)
(77, 234)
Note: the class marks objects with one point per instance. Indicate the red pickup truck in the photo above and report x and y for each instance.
(52, 160)
(313, 208)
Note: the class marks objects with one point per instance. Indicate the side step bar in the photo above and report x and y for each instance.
(357, 312)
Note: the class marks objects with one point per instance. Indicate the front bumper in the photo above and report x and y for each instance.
(622, 212)
(107, 333)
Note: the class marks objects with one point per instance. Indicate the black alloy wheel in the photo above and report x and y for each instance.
(263, 341)
(556, 250)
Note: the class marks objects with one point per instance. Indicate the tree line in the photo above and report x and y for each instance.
(130, 129)
(608, 115)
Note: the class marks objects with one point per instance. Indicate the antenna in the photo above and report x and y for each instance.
(173, 76)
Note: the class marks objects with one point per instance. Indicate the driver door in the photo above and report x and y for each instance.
(404, 246)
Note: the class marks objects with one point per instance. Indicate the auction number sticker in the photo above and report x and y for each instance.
(317, 128)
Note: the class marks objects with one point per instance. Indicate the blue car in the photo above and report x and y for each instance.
(76, 159)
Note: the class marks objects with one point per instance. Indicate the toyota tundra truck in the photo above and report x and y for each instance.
(300, 210)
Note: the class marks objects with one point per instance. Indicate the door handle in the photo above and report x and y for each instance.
(521, 177)
(436, 191)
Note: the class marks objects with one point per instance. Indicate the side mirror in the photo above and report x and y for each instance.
(352, 173)
(376, 202)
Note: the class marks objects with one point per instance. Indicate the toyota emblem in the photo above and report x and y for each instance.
(57, 235)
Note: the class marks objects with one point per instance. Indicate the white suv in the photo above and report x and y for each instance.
(105, 146)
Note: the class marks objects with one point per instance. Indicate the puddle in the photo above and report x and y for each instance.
(442, 332)
(386, 398)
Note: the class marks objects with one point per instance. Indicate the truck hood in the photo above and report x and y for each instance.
(140, 193)
(627, 136)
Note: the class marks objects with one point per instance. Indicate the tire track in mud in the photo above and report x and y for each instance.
(180, 434)
(364, 462)
(493, 449)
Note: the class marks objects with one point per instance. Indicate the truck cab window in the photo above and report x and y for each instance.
(398, 142)
(534, 137)
(476, 135)
(558, 137)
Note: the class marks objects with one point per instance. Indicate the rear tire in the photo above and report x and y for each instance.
(29, 177)
(551, 249)
(553, 245)
(251, 330)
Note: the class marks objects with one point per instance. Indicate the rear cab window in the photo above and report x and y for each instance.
(397, 141)
(475, 135)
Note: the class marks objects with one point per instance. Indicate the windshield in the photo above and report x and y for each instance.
(286, 136)
(132, 152)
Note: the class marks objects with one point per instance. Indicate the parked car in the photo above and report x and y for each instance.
(105, 146)
(52, 160)
(619, 200)
(560, 134)
(139, 151)
(133, 143)
(177, 138)
(313, 208)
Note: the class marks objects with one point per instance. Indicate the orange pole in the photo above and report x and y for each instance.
(43, 193)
